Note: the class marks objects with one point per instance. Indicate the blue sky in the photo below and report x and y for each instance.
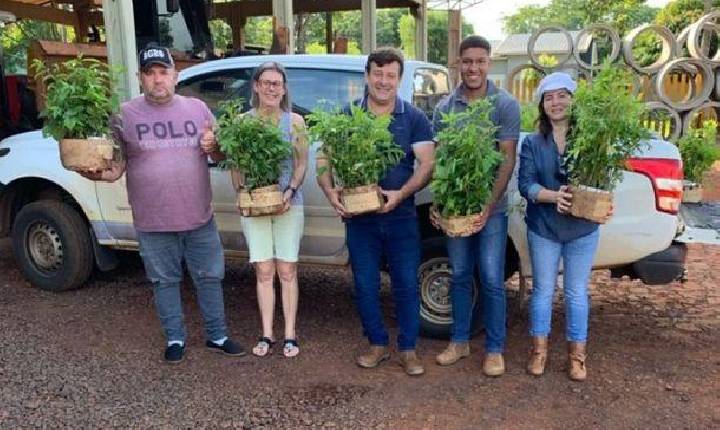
(486, 16)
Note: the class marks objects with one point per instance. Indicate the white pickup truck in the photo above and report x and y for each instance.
(63, 226)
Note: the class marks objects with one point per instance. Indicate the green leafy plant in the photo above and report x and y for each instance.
(358, 146)
(252, 145)
(80, 98)
(466, 160)
(699, 150)
(605, 129)
(528, 116)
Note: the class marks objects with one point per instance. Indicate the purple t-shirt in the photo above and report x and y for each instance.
(168, 180)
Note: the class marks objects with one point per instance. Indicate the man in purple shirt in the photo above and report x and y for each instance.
(166, 139)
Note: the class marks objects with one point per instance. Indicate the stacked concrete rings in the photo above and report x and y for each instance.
(670, 61)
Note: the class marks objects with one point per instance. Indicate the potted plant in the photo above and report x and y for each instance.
(80, 100)
(359, 149)
(254, 152)
(465, 164)
(605, 131)
(699, 150)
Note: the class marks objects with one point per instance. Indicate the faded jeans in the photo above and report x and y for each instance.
(162, 254)
(486, 251)
(577, 255)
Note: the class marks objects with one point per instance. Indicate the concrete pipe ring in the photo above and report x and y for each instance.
(534, 57)
(669, 47)
(677, 124)
(510, 78)
(694, 42)
(690, 115)
(587, 32)
(697, 97)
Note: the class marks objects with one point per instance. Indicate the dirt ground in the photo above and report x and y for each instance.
(92, 358)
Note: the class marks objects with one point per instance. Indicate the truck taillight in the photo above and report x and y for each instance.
(666, 176)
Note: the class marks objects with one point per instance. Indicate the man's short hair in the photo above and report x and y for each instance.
(475, 42)
(383, 56)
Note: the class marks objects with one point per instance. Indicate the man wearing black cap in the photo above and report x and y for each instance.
(166, 139)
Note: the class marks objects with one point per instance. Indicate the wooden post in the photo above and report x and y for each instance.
(421, 31)
(328, 33)
(237, 22)
(369, 26)
(454, 34)
(283, 13)
(280, 41)
(121, 50)
(81, 24)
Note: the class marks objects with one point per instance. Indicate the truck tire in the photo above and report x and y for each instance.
(434, 277)
(52, 245)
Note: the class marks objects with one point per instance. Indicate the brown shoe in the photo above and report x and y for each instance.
(453, 353)
(538, 356)
(494, 364)
(375, 355)
(576, 356)
(411, 363)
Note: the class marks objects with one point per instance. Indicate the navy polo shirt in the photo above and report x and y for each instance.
(506, 115)
(409, 127)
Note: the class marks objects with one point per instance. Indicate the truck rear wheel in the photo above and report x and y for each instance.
(52, 245)
(435, 274)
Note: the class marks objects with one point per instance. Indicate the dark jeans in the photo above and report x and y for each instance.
(486, 251)
(162, 254)
(399, 242)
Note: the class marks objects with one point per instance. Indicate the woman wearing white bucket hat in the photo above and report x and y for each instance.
(552, 232)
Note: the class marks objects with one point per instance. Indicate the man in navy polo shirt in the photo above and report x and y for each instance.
(393, 232)
(486, 247)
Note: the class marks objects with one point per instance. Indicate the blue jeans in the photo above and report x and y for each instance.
(486, 250)
(399, 242)
(162, 254)
(577, 255)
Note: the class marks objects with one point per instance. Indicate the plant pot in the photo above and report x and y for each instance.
(590, 203)
(86, 155)
(364, 199)
(692, 192)
(261, 201)
(457, 226)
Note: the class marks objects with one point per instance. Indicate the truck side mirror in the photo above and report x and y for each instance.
(172, 6)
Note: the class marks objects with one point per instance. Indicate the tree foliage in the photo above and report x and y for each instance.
(624, 15)
(699, 150)
(16, 38)
(466, 160)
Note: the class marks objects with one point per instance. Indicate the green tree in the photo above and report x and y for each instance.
(438, 35)
(576, 14)
(16, 38)
(406, 27)
(221, 34)
(678, 14)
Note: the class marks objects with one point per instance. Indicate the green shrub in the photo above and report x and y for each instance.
(528, 116)
(466, 160)
(606, 129)
(252, 145)
(80, 98)
(699, 150)
(359, 147)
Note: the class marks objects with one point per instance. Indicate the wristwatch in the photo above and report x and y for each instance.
(293, 189)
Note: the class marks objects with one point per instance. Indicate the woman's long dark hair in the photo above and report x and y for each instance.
(544, 125)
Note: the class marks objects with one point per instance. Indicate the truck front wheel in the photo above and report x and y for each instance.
(52, 245)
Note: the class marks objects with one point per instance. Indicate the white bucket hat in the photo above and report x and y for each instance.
(555, 81)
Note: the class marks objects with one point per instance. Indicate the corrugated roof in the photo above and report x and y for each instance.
(547, 43)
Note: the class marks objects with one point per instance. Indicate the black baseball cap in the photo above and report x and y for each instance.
(155, 55)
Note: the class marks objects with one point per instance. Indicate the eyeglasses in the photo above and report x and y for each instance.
(276, 85)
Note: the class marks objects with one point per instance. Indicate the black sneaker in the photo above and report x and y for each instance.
(228, 348)
(174, 353)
